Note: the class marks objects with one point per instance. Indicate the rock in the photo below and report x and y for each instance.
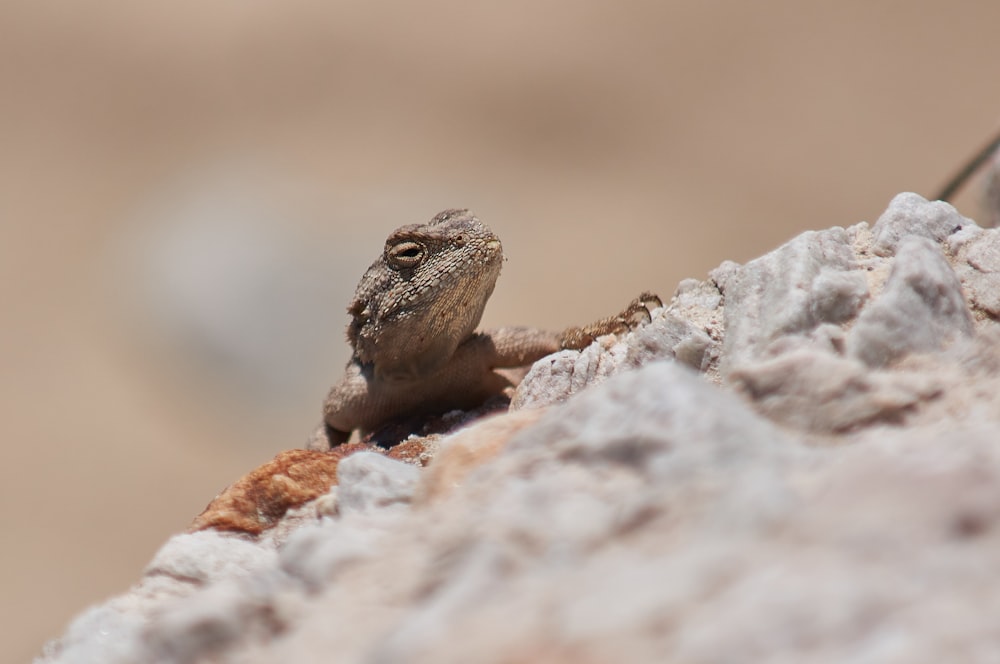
(978, 266)
(606, 467)
(920, 310)
(646, 418)
(561, 375)
(368, 481)
(911, 215)
(670, 337)
(108, 633)
(208, 557)
(216, 619)
(814, 279)
(818, 391)
(468, 449)
(188, 601)
(318, 553)
(260, 499)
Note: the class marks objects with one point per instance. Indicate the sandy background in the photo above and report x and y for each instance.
(190, 191)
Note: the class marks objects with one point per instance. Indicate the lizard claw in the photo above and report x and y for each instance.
(639, 311)
(649, 300)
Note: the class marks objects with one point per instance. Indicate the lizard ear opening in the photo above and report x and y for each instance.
(405, 254)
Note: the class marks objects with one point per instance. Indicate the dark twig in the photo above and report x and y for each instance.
(974, 164)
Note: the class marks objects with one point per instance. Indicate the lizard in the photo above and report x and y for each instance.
(413, 325)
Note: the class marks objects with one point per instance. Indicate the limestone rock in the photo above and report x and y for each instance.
(818, 391)
(556, 378)
(978, 266)
(812, 280)
(911, 215)
(368, 481)
(920, 310)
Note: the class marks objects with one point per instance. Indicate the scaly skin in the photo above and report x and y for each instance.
(414, 316)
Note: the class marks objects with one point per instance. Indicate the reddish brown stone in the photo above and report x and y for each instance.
(256, 502)
(414, 450)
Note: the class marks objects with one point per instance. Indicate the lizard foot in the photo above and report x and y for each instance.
(637, 313)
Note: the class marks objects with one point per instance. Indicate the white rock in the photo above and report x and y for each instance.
(912, 215)
(920, 310)
(368, 481)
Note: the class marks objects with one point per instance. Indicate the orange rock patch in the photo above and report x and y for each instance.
(259, 499)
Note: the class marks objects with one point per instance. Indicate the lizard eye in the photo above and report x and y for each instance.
(405, 254)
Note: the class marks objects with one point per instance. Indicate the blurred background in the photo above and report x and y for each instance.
(190, 191)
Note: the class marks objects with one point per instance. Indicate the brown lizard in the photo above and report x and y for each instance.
(413, 330)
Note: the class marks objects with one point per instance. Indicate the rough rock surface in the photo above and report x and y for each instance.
(795, 461)
(923, 296)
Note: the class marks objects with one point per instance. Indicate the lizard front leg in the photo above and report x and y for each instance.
(520, 346)
(637, 313)
(512, 347)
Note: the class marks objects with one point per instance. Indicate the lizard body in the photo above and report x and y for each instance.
(413, 331)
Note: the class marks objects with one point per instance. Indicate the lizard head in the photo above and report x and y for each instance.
(424, 295)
